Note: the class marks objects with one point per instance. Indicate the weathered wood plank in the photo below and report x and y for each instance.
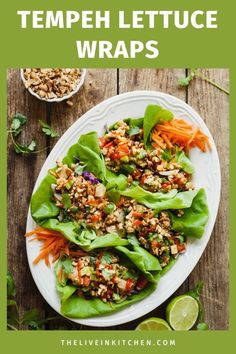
(22, 174)
(213, 106)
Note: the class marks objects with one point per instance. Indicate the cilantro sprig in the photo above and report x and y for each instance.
(31, 318)
(194, 73)
(17, 123)
(196, 293)
(47, 130)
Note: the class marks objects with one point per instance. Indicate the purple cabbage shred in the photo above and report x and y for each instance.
(90, 177)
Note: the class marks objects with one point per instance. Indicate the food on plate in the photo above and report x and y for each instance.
(100, 281)
(128, 194)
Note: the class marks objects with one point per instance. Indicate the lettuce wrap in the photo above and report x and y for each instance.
(45, 212)
(83, 305)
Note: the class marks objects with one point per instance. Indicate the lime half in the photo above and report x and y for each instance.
(182, 312)
(153, 324)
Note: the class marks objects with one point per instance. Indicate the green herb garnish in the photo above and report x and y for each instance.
(47, 130)
(18, 120)
(166, 155)
(79, 169)
(195, 293)
(31, 318)
(127, 168)
(109, 208)
(107, 258)
(194, 73)
(133, 130)
(66, 201)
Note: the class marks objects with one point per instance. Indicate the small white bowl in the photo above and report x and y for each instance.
(59, 99)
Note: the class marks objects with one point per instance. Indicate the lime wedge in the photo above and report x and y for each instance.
(182, 312)
(153, 324)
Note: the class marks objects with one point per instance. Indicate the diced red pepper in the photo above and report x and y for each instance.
(129, 284)
(155, 243)
(114, 156)
(165, 185)
(180, 246)
(142, 180)
(113, 279)
(118, 155)
(123, 148)
(86, 280)
(96, 217)
(79, 265)
(137, 215)
(137, 222)
(121, 151)
(109, 144)
(102, 141)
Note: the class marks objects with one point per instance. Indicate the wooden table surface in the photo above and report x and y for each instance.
(212, 105)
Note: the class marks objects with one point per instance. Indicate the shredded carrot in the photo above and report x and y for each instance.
(178, 131)
(42, 231)
(167, 141)
(53, 243)
(60, 274)
(158, 141)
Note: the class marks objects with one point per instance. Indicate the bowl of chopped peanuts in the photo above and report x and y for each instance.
(53, 84)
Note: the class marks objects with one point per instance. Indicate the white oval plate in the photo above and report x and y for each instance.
(207, 175)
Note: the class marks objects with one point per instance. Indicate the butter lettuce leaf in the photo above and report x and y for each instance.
(194, 219)
(154, 115)
(79, 307)
(89, 153)
(115, 181)
(144, 261)
(42, 206)
(160, 201)
(184, 162)
(84, 237)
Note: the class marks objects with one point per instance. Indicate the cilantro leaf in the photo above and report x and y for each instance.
(11, 288)
(66, 201)
(31, 146)
(32, 318)
(25, 149)
(47, 130)
(133, 130)
(79, 169)
(66, 264)
(17, 121)
(185, 81)
(166, 155)
(106, 258)
(195, 293)
(12, 309)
